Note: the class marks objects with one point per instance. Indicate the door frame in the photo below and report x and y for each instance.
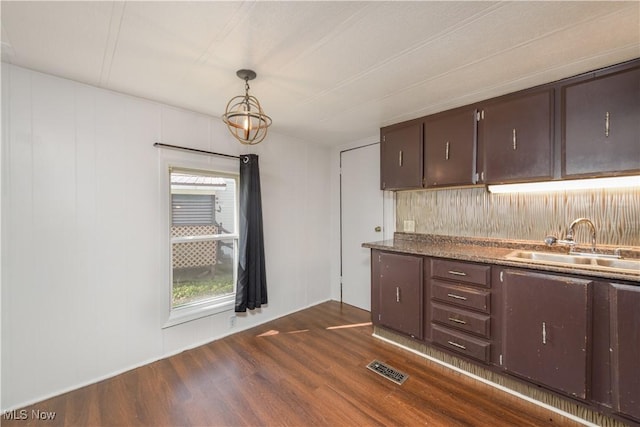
(388, 209)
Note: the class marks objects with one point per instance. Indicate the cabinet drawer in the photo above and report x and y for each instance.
(472, 347)
(464, 320)
(463, 272)
(461, 296)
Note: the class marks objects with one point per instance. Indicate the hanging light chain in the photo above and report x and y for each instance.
(246, 93)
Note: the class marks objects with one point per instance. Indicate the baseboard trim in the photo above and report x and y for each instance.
(165, 355)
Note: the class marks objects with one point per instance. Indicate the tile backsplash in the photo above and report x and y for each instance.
(474, 212)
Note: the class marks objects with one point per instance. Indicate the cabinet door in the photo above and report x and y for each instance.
(401, 157)
(517, 135)
(400, 293)
(625, 348)
(601, 126)
(546, 329)
(450, 148)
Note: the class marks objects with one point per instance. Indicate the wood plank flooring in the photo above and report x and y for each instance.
(305, 369)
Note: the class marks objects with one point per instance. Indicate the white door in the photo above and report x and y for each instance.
(360, 220)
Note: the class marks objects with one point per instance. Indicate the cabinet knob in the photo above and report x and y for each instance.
(378, 229)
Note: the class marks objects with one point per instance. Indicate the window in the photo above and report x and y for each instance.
(204, 237)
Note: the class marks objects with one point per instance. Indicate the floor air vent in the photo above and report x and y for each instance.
(388, 372)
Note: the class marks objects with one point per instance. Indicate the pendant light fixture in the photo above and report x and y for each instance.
(244, 116)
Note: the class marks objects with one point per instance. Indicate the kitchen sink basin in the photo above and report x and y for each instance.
(549, 257)
(622, 264)
(595, 261)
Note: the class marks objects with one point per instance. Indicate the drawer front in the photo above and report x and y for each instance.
(463, 320)
(462, 272)
(461, 296)
(461, 343)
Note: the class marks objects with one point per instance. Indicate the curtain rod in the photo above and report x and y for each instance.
(195, 150)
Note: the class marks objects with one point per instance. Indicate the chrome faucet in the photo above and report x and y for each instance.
(553, 240)
(569, 240)
(591, 227)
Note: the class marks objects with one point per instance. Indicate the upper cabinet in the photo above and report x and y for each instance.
(601, 125)
(516, 134)
(401, 156)
(450, 147)
(584, 126)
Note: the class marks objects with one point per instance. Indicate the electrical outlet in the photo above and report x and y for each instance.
(409, 226)
(232, 320)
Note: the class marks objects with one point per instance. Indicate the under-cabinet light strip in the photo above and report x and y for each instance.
(568, 185)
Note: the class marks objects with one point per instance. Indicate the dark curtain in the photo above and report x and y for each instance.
(251, 291)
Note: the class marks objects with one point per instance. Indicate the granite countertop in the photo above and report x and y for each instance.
(494, 251)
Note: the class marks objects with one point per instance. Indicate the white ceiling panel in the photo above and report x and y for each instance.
(63, 38)
(379, 35)
(328, 72)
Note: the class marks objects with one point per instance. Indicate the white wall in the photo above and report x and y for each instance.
(83, 288)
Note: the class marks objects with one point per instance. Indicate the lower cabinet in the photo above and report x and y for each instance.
(547, 329)
(397, 291)
(571, 334)
(460, 307)
(466, 344)
(624, 303)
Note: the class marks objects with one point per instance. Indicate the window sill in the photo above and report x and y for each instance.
(199, 310)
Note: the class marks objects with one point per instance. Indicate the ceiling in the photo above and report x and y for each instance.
(328, 72)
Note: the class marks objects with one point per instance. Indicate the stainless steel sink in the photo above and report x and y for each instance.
(549, 257)
(595, 261)
(621, 264)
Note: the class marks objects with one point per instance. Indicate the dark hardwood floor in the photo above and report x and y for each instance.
(308, 368)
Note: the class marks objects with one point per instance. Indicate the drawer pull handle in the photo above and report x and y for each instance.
(457, 273)
(514, 140)
(397, 294)
(462, 322)
(544, 333)
(446, 151)
(400, 158)
(607, 124)
(455, 344)
(457, 297)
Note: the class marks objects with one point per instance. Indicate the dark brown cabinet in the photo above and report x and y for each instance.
(575, 335)
(601, 125)
(401, 154)
(625, 348)
(516, 136)
(601, 348)
(583, 126)
(547, 329)
(397, 292)
(450, 147)
(461, 308)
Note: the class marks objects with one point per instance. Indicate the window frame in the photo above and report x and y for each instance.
(206, 307)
